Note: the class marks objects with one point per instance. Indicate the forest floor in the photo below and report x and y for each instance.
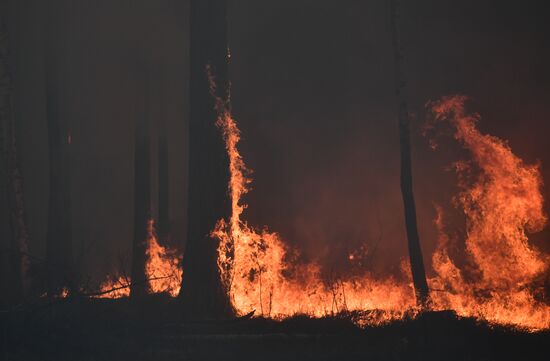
(96, 329)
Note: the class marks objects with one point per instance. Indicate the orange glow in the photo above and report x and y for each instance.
(260, 272)
(260, 276)
(162, 270)
(115, 287)
(162, 266)
(501, 283)
(502, 201)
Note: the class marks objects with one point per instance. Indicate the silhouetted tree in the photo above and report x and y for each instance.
(202, 293)
(415, 251)
(14, 258)
(142, 184)
(59, 237)
(163, 225)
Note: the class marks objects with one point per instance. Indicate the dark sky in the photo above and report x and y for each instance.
(312, 92)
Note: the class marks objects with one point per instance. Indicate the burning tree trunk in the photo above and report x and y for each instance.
(202, 293)
(15, 259)
(59, 238)
(142, 192)
(415, 251)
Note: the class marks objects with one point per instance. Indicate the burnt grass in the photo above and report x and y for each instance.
(97, 329)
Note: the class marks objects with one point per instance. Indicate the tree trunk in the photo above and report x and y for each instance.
(415, 251)
(202, 293)
(163, 225)
(16, 259)
(59, 237)
(5, 230)
(142, 186)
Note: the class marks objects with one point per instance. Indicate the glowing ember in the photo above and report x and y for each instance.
(502, 201)
(162, 269)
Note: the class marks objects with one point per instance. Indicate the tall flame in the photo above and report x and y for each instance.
(501, 205)
(260, 271)
(502, 202)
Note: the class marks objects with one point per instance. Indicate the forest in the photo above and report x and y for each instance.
(324, 180)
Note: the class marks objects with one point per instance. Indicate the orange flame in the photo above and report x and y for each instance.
(162, 266)
(162, 270)
(258, 271)
(261, 274)
(502, 202)
(115, 287)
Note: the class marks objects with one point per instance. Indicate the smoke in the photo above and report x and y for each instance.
(313, 94)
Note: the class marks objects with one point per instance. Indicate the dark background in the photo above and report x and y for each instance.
(313, 93)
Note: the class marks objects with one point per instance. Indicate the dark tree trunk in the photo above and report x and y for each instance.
(415, 251)
(202, 293)
(142, 186)
(163, 225)
(59, 238)
(16, 259)
(5, 231)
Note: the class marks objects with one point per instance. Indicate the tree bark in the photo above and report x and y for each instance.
(142, 186)
(415, 251)
(16, 259)
(202, 293)
(59, 237)
(163, 225)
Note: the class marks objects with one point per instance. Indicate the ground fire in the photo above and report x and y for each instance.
(502, 203)
(275, 180)
(500, 198)
(162, 268)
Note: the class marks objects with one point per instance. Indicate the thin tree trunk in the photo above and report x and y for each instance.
(163, 226)
(17, 257)
(142, 187)
(5, 231)
(202, 293)
(415, 251)
(59, 241)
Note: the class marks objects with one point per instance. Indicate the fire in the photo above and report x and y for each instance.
(501, 205)
(501, 282)
(115, 287)
(162, 269)
(261, 275)
(162, 266)
(502, 202)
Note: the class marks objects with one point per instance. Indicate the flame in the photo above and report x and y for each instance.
(262, 275)
(162, 270)
(115, 287)
(501, 205)
(502, 202)
(162, 266)
(501, 283)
